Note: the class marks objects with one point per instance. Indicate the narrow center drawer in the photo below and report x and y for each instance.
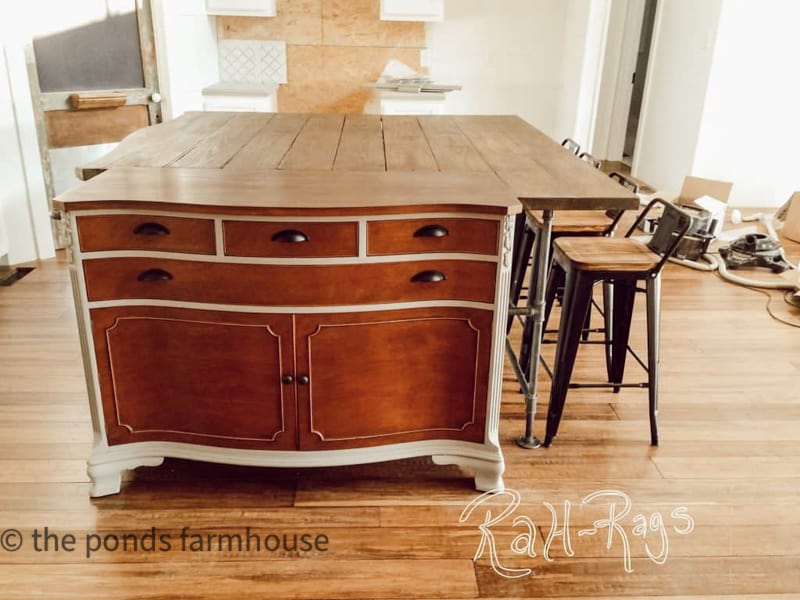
(412, 236)
(99, 233)
(289, 285)
(286, 240)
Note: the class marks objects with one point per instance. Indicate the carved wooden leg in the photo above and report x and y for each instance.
(488, 473)
(107, 476)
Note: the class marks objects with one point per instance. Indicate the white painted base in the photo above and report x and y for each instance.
(107, 462)
(107, 477)
(488, 474)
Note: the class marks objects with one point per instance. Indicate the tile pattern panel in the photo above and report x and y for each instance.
(252, 61)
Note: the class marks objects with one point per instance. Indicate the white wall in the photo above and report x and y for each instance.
(750, 130)
(673, 108)
(186, 46)
(506, 54)
(24, 212)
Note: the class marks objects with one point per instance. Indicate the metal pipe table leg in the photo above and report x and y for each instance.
(536, 299)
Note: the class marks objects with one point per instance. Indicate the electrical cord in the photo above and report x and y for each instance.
(770, 298)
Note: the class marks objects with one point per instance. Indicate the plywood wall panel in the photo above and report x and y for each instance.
(357, 23)
(331, 78)
(297, 22)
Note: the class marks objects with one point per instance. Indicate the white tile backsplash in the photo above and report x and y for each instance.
(252, 61)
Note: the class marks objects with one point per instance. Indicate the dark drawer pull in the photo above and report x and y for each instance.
(151, 229)
(428, 277)
(303, 379)
(155, 275)
(290, 236)
(432, 231)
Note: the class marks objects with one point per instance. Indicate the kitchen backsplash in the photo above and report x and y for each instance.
(333, 47)
(252, 61)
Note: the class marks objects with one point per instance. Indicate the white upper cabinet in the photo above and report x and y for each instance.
(412, 10)
(242, 8)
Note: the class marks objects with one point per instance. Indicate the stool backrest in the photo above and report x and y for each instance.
(572, 146)
(627, 183)
(672, 226)
(595, 162)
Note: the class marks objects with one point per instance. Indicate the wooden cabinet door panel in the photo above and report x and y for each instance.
(195, 376)
(393, 376)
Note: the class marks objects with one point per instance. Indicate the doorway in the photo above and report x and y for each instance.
(638, 80)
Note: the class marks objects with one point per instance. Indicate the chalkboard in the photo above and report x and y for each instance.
(103, 55)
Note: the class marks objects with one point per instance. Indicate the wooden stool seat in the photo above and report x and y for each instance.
(626, 255)
(571, 222)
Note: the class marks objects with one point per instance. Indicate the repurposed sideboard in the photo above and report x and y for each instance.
(291, 318)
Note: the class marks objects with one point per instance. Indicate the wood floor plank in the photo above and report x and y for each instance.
(235, 580)
(679, 576)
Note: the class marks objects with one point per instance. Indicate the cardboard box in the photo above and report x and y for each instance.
(696, 187)
(791, 225)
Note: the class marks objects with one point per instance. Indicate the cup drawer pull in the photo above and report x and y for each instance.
(290, 236)
(154, 275)
(151, 229)
(432, 231)
(428, 277)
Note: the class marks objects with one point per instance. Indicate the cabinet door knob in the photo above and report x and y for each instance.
(151, 229)
(154, 275)
(290, 236)
(287, 379)
(432, 231)
(303, 379)
(428, 277)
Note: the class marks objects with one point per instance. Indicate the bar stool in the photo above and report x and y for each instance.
(622, 262)
(585, 223)
(571, 146)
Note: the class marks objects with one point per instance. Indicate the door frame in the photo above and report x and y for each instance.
(619, 62)
(149, 96)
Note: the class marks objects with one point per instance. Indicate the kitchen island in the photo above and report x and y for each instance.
(306, 290)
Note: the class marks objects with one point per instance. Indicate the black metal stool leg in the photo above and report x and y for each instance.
(608, 322)
(653, 347)
(624, 297)
(577, 300)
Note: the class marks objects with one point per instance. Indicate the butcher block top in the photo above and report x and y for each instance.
(341, 162)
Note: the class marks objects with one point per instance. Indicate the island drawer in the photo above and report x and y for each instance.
(98, 233)
(288, 240)
(289, 285)
(412, 236)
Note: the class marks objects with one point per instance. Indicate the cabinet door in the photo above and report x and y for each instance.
(195, 376)
(394, 376)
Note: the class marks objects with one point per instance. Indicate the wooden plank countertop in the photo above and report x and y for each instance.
(439, 151)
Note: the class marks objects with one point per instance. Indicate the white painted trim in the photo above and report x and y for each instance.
(251, 260)
(644, 113)
(85, 330)
(281, 310)
(291, 219)
(27, 220)
(622, 45)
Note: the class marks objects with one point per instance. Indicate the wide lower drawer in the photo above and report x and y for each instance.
(415, 236)
(281, 239)
(97, 233)
(289, 285)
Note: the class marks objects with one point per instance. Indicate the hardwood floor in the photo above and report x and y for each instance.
(729, 454)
